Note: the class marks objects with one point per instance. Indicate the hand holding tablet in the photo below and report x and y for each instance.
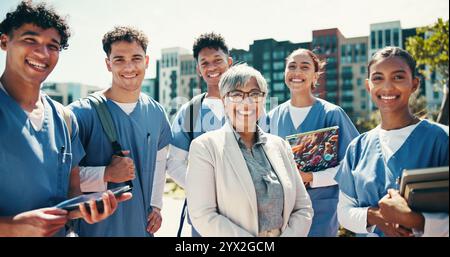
(73, 203)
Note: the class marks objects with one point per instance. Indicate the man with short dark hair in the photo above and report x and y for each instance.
(212, 56)
(143, 132)
(39, 144)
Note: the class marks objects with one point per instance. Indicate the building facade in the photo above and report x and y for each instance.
(67, 92)
(178, 79)
(353, 65)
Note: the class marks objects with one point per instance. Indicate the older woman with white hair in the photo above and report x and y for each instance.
(241, 181)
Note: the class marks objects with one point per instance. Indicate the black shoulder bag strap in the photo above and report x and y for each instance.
(99, 103)
(192, 113)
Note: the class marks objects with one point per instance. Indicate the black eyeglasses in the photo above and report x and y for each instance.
(238, 96)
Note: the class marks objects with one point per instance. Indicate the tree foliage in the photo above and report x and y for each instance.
(430, 49)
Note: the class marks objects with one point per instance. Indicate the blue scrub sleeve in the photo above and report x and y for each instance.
(165, 133)
(347, 131)
(180, 137)
(77, 148)
(344, 176)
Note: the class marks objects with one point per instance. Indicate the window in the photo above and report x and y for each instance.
(331, 82)
(267, 76)
(362, 70)
(346, 105)
(359, 82)
(363, 93)
(347, 82)
(347, 69)
(333, 40)
(396, 37)
(278, 65)
(266, 56)
(372, 40)
(347, 93)
(387, 36)
(362, 52)
(267, 66)
(331, 94)
(380, 39)
(278, 86)
(278, 54)
(278, 75)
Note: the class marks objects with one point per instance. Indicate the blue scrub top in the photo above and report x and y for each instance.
(366, 176)
(206, 121)
(144, 132)
(322, 115)
(35, 165)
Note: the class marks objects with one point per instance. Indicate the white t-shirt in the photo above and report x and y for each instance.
(392, 140)
(216, 106)
(126, 107)
(298, 114)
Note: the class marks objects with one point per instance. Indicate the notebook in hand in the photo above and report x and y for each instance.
(315, 150)
(426, 190)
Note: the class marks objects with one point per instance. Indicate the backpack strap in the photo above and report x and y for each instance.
(192, 114)
(65, 112)
(99, 103)
(189, 120)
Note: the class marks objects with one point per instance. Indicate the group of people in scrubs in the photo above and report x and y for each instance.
(238, 171)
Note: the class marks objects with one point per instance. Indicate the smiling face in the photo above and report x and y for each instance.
(31, 53)
(300, 74)
(127, 62)
(244, 115)
(390, 84)
(212, 64)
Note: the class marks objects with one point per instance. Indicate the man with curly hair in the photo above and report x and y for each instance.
(143, 132)
(205, 112)
(39, 144)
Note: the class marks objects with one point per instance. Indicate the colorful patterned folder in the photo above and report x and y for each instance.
(315, 150)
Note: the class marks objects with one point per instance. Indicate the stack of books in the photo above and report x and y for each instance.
(426, 190)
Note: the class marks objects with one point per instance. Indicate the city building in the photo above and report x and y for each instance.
(151, 86)
(346, 70)
(269, 57)
(178, 79)
(327, 45)
(353, 70)
(67, 92)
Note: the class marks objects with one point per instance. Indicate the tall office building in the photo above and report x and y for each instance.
(327, 45)
(353, 64)
(178, 79)
(269, 57)
(343, 80)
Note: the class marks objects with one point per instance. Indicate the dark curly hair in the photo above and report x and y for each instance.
(40, 15)
(209, 40)
(124, 33)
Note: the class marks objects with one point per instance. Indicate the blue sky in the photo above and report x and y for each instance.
(170, 23)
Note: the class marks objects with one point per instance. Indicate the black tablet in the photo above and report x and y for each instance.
(72, 204)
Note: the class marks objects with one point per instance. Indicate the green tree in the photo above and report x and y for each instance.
(430, 49)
